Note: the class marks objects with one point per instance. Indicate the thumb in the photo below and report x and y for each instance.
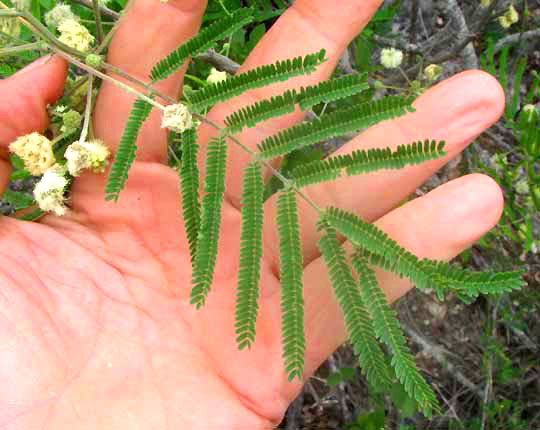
(25, 97)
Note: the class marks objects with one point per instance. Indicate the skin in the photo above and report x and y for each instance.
(96, 329)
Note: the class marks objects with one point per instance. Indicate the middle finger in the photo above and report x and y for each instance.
(305, 28)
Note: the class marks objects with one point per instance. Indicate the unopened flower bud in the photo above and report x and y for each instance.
(94, 60)
(70, 121)
(433, 72)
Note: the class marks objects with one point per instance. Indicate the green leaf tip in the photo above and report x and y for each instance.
(204, 40)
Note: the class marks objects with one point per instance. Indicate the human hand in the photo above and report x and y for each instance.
(96, 329)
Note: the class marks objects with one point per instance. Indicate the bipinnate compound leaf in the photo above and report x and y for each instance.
(291, 272)
(204, 40)
(125, 154)
(189, 180)
(255, 78)
(373, 362)
(333, 125)
(207, 242)
(387, 329)
(365, 161)
(250, 255)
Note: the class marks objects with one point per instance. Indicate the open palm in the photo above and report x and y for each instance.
(96, 329)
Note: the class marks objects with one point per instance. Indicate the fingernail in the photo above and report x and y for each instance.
(40, 62)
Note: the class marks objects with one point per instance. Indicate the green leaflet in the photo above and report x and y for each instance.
(326, 91)
(362, 161)
(189, 179)
(373, 362)
(385, 252)
(201, 42)
(207, 241)
(125, 154)
(334, 124)
(387, 329)
(265, 109)
(250, 255)
(255, 78)
(291, 271)
(332, 90)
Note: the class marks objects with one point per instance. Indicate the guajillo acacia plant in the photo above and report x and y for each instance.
(372, 325)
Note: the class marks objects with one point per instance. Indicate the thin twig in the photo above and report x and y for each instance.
(97, 15)
(219, 61)
(438, 353)
(104, 10)
(108, 78)
(515, 38)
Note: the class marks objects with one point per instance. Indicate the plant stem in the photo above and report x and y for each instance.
(20, 48)
(37, 27)
(88, 109)
(108, 78)
(97, 15)
(136, 81)
(286, 182)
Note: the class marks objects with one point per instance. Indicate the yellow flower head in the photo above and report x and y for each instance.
(36, 151)
(86, 155)
(75, 35)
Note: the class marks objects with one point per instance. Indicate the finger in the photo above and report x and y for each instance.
(149, 31)
(305, 28)
(25, 97)
(439, 226)
(456, 111)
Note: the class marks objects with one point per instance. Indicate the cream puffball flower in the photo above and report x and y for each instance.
(216, 76)
(177, 117)
(391, 58)
(49, 191)
(75, 35)
(36, 152)
(86, 155)
(58, 14)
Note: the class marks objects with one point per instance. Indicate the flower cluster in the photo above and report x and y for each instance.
(86, 155)
(510, 17)
(75, 35)
(36, 151)
(391, 58)
(177, 117)
(216, 76)
(58, 14)
(49, 191)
